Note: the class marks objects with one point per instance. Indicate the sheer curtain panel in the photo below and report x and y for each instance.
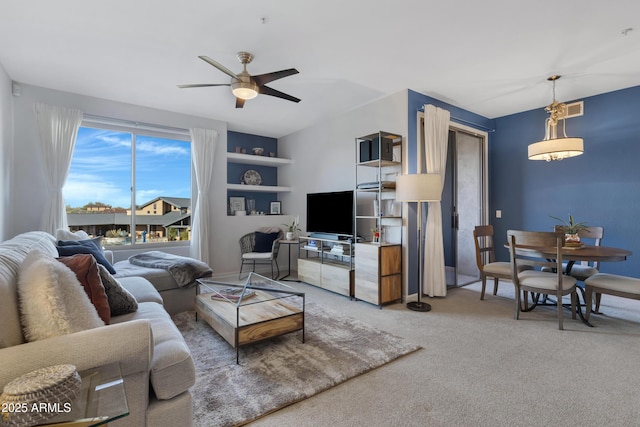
(203, 153)
(58, 128)
(436, 131)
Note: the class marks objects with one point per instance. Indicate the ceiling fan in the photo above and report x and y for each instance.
(245, 86)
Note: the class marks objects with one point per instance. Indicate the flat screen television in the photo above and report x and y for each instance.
(330, 212)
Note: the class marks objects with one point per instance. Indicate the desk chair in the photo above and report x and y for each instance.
(553, 283)
(486, 259)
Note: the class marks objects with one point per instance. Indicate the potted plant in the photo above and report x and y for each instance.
(292, 229)
(571, 229)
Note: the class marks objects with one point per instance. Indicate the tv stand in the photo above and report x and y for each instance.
(326, 263)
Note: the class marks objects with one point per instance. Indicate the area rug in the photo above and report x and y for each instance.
(283, 370)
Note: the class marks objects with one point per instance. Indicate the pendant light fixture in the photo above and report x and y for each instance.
(554, 147)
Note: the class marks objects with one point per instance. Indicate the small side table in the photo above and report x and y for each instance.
(102, 399)
(288, 243)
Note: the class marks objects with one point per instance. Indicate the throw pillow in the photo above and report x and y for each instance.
(52, 301)
(93, 242)
(86, 269)
(64, 234)
(120, 300)
(86, 249)
(264, 241)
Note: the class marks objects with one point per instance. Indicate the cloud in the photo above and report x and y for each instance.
(161, 149)
(81, 189)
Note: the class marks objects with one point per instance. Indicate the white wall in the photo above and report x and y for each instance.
(6, 135)
(324, 154)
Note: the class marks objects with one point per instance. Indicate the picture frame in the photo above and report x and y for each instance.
(275, 208)
(236, 204)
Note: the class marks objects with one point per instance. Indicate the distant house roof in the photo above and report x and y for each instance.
(79, 219)
(123, 219)
(180, 202)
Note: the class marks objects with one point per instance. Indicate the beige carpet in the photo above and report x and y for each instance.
(283, 370)
(480, 367)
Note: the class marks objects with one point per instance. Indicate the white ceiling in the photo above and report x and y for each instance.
(491, 57)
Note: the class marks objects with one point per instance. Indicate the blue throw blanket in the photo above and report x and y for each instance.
(184, 270)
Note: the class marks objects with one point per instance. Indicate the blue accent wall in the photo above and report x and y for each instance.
(416, 102)
(600, 187)
(235, 171)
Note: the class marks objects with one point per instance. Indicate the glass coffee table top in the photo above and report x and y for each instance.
(254, 290)
(257, 309)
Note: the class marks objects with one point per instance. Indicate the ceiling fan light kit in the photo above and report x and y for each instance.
(244, 86)
(553, 147)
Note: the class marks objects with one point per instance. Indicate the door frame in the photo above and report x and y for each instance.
(453, 125)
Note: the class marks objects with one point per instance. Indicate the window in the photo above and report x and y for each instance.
(112, 163)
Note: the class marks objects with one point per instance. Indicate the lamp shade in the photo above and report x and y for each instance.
(244, 90)
(421, 187)
(556, 149)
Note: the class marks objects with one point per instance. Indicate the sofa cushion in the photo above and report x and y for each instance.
(172, 368)
(12, 254)
(161, 279)
(86, 249)
(52, 301)
(85, 268)
(120, 300)
(141, 289)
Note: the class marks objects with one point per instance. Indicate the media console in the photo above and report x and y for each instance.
(326, 262)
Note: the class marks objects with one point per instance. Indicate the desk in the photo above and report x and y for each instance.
(288, 243)
(571, 255)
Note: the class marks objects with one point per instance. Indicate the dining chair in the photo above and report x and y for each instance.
(583, 270)
(486, 259)
(522, 246)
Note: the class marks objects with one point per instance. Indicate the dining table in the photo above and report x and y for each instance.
(573, 254)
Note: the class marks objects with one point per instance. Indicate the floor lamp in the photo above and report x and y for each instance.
(422, 187)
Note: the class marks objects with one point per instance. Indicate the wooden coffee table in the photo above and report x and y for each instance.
(265, 309)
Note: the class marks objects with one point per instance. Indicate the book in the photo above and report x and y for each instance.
(232, 294)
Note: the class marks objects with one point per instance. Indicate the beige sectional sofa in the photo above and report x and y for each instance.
(155, 361)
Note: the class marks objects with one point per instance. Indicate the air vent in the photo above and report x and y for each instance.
(575, 109)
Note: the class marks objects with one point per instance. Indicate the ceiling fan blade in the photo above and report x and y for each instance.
(202, 85)
(219, 66)
(239, 102)
(266, 90)
(263, 79)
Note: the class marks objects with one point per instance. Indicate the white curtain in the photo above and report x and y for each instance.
(58, 129)
(203, 153)
(436, 135)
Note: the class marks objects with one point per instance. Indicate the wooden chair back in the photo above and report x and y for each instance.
(520, 240)
(485, 252)
(595, 234)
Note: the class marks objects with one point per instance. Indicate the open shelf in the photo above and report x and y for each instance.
(259, 188)
(251, 159)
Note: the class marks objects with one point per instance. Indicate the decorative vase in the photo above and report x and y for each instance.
(290, 235)
(571, 238)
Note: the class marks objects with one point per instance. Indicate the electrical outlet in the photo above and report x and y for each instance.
(498, 213)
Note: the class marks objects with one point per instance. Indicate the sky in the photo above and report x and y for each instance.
(101, 169)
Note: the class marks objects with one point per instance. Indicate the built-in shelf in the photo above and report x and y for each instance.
(259, 188)
(251, 159)
(379, 163)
